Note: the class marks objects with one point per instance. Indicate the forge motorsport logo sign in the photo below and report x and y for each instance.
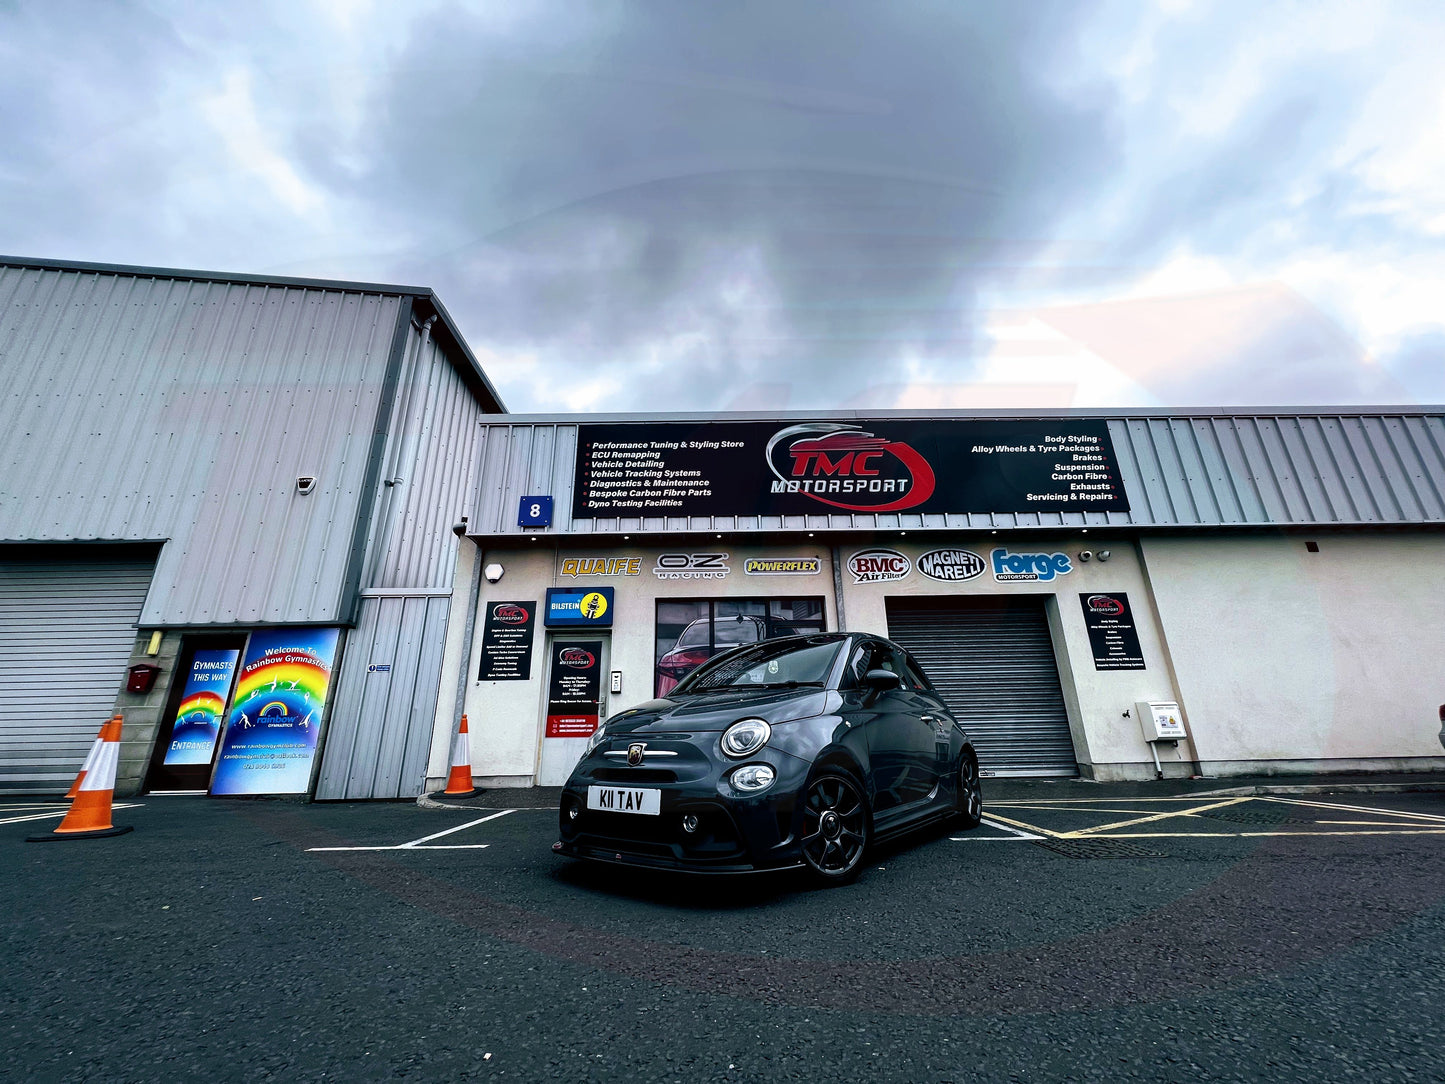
(675, 470)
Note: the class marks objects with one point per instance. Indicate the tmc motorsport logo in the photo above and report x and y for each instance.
(1105, 605)
(783, 566)
(1029, 566)
(692, 566)
(951, 565)
(845, 467)
(876, 566)
(509, 613)
(577, 658)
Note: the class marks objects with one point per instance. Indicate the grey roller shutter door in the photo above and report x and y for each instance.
(66, 630)
(992, 660)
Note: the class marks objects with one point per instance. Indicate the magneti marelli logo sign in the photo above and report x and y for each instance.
(848, 468)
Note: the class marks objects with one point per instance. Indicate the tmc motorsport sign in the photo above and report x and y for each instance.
(771, 468)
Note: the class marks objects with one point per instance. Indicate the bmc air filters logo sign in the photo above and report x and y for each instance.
(951, 565)
(878, 566)
(848, 468)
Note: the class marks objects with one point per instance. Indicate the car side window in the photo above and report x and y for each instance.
(861, 662)
(916, 677)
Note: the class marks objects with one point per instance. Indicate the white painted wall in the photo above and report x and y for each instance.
(1291, 660)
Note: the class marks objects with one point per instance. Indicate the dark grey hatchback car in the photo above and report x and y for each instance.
(799, 751)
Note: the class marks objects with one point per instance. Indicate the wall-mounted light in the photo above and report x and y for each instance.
(305, 484)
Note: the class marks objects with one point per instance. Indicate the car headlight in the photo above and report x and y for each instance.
(598, 737)
(753, 777)
(746, 737)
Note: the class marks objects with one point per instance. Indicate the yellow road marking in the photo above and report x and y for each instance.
(1021, 824)
(1356, 809)
(1155, 817)
(1240, 835)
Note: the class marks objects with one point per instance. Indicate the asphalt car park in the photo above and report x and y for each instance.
(1212, 937)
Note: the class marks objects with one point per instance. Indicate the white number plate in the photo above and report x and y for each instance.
(624, 800)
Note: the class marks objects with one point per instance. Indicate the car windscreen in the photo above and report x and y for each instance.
(771, 663)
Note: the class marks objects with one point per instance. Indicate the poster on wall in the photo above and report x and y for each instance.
(507, 641)
(574, 691)
(275, 719)
(1112, 635)
(203, 701)
(883, 465)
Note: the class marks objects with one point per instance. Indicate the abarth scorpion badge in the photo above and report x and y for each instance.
(634, 753)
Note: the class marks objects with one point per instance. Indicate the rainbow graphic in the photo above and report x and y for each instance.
(276, 713)
(203, 701)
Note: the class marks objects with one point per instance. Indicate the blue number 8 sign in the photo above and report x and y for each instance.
(535, 512)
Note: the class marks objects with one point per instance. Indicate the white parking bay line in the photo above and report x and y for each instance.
(55, 814)
(1015, 835)
(416, 844)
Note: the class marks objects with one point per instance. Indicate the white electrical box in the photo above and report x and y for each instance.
(1160, 720)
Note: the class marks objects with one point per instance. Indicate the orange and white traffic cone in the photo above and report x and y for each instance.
(89, 816)
(89, 760)
(459, 782)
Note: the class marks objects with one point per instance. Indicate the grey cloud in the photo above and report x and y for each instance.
(795, 193)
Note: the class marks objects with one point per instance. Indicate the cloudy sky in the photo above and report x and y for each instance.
(694, 205)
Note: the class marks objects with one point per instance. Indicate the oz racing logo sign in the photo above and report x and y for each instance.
(692, 566)
(843, 466)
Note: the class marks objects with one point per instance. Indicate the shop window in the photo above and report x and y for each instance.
(691, 631)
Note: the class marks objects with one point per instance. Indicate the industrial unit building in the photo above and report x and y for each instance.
(1274, 583)
(284, 529)
(245, 488)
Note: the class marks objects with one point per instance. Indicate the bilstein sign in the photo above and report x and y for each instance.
(675, 469)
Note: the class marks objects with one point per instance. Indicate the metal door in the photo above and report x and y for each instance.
(992, 660)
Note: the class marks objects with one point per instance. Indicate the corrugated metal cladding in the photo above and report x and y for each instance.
(434, 443)
(67, 625)
(187, 409)
(1178, 470)
(379, 733)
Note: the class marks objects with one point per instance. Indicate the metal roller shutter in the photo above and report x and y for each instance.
(66, 629)
(992, 660)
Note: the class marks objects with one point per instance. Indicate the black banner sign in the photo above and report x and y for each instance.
(507, 641)
(574, 691)
(1111, 632)
(775, 468)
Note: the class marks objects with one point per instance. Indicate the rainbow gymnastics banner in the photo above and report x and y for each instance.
(198, 720)
(275, 717)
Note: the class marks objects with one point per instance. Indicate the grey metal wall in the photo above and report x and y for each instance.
(380, 727)
(433, 447)
(150, 408)
(1184, 470)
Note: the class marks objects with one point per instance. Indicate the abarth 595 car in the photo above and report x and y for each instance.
(799, 751)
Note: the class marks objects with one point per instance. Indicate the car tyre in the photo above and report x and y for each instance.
(970, 791)
(837, 826)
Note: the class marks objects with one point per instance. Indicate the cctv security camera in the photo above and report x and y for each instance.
(1103, 555)
(459, 529)
(493, 573)
(1086, 555)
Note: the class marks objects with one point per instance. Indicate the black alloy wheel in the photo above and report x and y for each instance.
(835, 827)
(970, 791)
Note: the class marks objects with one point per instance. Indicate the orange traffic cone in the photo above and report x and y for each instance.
(89, 761)
(89, 817)
(459, 783)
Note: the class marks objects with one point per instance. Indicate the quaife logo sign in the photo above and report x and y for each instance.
(846, 467)
(783, 566)
(951, 565)
(1029, 566)
(878, 566)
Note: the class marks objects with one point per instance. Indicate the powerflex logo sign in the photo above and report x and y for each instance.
(951, 566)
(1012, 567)
(848, 468)
(783, 566)
(878, 566)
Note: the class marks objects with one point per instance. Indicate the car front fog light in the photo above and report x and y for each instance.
(573, 811)
(753, 777)
(745, 737)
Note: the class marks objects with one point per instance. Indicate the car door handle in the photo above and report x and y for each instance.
(927, 719)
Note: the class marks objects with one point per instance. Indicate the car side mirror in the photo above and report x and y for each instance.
(883, 680)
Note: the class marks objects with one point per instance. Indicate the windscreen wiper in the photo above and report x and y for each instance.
(780, 685)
